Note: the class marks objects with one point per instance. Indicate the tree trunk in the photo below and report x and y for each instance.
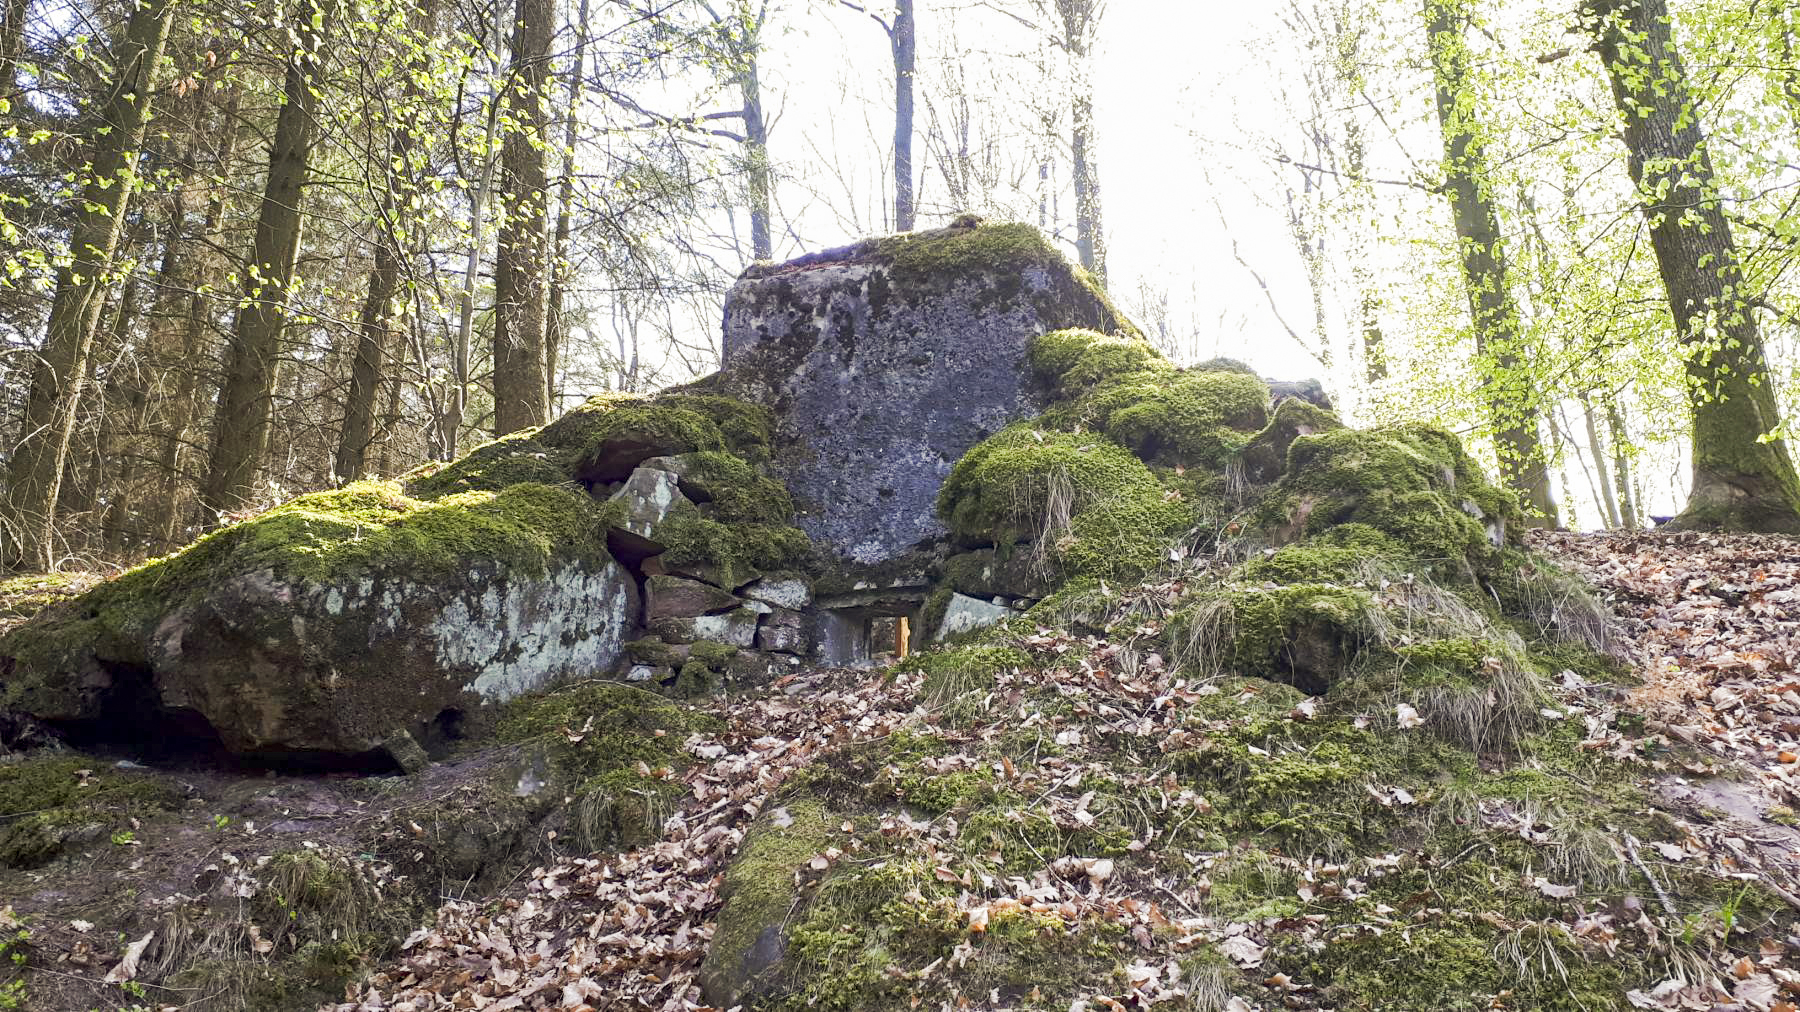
(756, 151)
(521, 270)
(556, 331)
(241, 425)
(374, 331)
(903, 39)
(35, 478)
(1081, 22)
(1740, 482)
(451, 433)
(12, 44)
(1493, 311)
(1615, 425)
(1609, 505)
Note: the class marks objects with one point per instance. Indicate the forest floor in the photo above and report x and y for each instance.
(1713, 623)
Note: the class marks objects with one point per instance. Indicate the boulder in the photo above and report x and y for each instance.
(737, 628)
(886, 360)
(332, 623)
(674, 597)
(965, 613)
(784, 631)
(791, 593)
(648, 496)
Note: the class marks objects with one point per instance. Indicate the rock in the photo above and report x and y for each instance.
(985, 573)
(791, 593)
(842, 638)
(1265, 457)
(1311, 391)
(674, 597)
(965, 613)
(406, 752)
(648, 496)
(322, 626)
(784, 631)
(886, 360)
(737, 628)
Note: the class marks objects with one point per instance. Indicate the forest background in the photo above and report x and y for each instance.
(256, 248)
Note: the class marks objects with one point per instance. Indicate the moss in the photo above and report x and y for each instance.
(951, 673)
(760, 892)
(1308, 562)
(622, 438)
(1121, 519)
(738, 494)
(713, 655)
(737, 551)
(1225, 365)
(321, 538)
(1192, 419)
(932, 257)
(748, 429)
(1069, 362)
(516, 459)
(1413, 484)
(654, 652)
(48, 803)
(1306, 634)
(24, 596)
(594, 727)
(623, 808)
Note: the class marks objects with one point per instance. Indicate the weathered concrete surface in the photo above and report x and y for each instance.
(289, 668)
(885, 361)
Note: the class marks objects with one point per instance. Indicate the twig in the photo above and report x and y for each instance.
(1631, 847)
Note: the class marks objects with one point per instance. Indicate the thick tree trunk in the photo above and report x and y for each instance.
(1740, 481)
(521, 269)
(35, 474)
(904, 41)
(1494, 313)
(252, 370)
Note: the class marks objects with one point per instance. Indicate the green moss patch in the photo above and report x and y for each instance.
(49, 803)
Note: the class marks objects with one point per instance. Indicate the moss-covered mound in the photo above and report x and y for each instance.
(331, 621)
(1316, 777)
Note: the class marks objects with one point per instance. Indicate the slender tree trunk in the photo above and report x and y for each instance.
(380, 315)
(1615, 425)
(12, 44)
(374, 332)
(556, 332)
(756, 152)
(35, 478)
(904, 42)
(453, 419)
(1492, 308)
(252, 370)
(1081, 23)
(1609, 505)
(1740, 481)
(521, 268)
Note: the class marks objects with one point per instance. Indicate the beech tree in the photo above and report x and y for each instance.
(1743, 475)
(1493, 310)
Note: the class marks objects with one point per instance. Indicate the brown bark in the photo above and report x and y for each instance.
(1740, 481)
(252, 370)
(12, 44)
(556, 330)
(1494, 313)
(521, 268)
(38, 462)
